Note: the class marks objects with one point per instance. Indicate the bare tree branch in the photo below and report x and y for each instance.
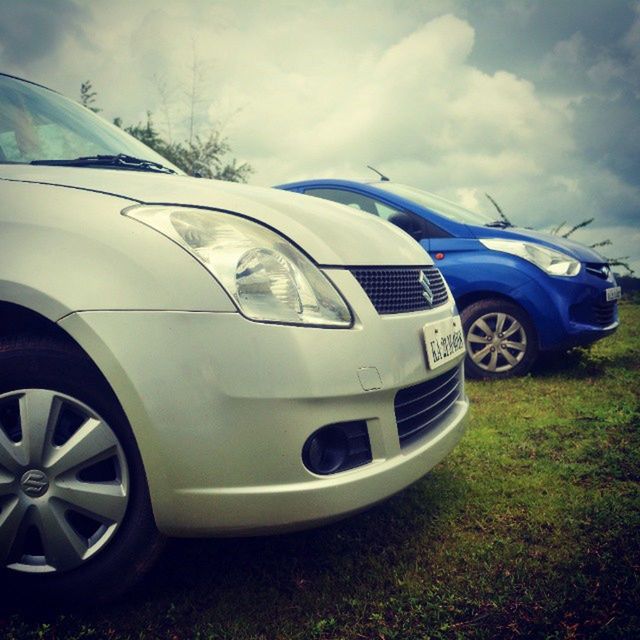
(501, 213)
(623, 262)
(602, 243)
(166, 92)
(580, 225)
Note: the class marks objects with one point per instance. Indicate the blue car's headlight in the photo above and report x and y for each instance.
(553, 262)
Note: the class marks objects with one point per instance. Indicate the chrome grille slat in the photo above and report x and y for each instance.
(420, 408)
(398, 289)
(422, 428)
(400, 405)
(605, 313)
(453, 389)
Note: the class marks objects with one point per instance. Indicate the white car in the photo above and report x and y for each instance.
(187, 357)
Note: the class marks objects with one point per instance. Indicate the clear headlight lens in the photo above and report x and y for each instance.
(555, 263)
(269, 279)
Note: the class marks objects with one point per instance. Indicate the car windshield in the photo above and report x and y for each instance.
(39, 126)
(435, 203)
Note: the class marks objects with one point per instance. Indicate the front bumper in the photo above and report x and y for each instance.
(568, 312)
(221, 408)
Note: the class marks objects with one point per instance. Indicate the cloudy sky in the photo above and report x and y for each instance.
(535, 102)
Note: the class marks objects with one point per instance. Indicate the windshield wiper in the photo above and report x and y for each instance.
(121, 160)
(499, 224)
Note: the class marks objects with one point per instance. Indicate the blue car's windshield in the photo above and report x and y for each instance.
(40, 126)
(435, 203)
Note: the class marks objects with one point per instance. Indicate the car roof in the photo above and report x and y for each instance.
(328, 181)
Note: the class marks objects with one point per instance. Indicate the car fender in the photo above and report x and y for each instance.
(469, 269)
(64, 250)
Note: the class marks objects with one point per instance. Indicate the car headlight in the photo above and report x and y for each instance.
(555, 263)
(269, 279)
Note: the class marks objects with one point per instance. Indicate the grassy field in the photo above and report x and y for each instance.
(530, 529)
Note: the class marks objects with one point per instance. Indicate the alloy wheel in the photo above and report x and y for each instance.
(496, 342)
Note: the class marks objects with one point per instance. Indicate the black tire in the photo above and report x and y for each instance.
(35, 363)
(506, 347)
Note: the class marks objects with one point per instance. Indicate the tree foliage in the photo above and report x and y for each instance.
(203, 155)
(88, 96)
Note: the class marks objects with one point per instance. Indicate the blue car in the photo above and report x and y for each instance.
(519, 292)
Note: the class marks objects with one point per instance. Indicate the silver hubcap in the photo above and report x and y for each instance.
(64, 482)
(496, 342)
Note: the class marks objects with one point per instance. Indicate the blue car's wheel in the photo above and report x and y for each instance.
(500, 339)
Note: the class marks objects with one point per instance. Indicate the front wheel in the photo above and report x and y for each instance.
(76, 524)
(500, 339)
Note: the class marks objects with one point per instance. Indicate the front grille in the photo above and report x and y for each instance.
(598, 313)
(598, 269)
(604, 313)
(399, 290)
(421, 408)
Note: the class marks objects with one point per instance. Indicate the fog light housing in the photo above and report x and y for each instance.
(337, 447)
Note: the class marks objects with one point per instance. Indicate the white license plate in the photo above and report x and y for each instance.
(444, 341)
(613, 293)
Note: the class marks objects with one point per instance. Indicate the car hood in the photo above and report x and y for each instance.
(575, 249)
(332, 234)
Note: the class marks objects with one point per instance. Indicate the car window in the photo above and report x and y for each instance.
(413, 224)
(435, 203)
(355, 200)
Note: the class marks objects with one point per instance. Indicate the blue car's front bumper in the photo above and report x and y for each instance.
(566, 311)
(569, 312)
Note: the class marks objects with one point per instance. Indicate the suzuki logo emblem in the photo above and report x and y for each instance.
(427, 293)
(34, 483)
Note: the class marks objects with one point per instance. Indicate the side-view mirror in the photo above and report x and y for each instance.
(409, 223)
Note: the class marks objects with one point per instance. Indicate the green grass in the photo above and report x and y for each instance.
(529, 529)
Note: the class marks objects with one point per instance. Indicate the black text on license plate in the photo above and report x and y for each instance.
(613, 293)
(446, 346)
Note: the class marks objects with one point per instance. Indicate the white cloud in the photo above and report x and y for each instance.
(416, 106)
